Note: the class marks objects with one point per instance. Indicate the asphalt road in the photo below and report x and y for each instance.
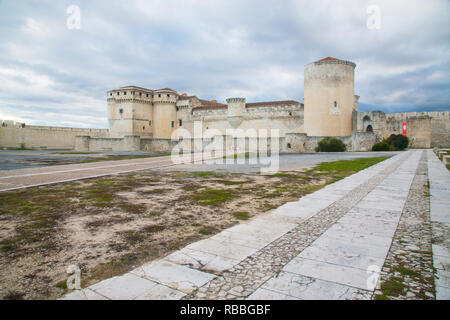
(23, 178)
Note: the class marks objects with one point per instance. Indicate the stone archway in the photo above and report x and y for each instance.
(367, 124)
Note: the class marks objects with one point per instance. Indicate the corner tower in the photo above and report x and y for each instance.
(329, 97)
(130, 111)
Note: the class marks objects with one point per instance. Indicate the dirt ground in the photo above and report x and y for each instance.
(111, 225)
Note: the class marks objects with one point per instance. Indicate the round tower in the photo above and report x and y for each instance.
(164, 113)
(329, 97)
(236, 108)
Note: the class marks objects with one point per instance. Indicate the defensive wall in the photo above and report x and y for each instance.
(424, 129)
(18, 135)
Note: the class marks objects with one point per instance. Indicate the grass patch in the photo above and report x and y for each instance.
(78, 152)
(133, 208)
(210, 196)
(132, 237)
(407, 272)
(100, 198)
(206, 230)
(8, 245)
(61, 284)
(393, 287)
(153, 228)
(349, 165)
(241, 215)
(105, 181)
(204, 174)
(107, 270)
(381, 297)
(229, 182)
(125, 157)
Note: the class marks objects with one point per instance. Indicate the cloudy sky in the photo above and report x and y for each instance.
(52, 74)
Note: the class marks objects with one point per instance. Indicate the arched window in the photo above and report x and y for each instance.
(369, 128)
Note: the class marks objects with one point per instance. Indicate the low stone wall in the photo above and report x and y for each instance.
(300, 142)
(14, 135)
(293, 142)
(126, 143)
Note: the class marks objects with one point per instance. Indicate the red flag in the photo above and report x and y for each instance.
(404, 127)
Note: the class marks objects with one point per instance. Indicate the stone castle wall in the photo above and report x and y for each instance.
(287, 118)
(13, 135)
(424, 129)
(300, 142)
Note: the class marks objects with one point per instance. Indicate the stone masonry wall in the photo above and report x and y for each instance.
(12, 135)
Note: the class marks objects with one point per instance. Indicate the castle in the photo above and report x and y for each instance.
(147, 120)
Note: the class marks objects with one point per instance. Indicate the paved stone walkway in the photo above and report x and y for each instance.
(331, 244)
(439, 178)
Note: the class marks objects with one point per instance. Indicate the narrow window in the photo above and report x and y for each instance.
(289, 145)
(110, 94)
(121, 111)
(172, 124)
(150, 122)
(143, 127)
(180, 122)
(140, 94)
(147, 95)
(124, 93)
(168, 95)
(335, 104)
(118, 93)
(159, 95)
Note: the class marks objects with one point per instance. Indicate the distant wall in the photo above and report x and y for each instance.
(424, 129)
(300, 142)
(440, 133)
(13, 135)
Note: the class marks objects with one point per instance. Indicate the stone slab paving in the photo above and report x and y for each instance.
(342, 261)
(408, 270)
(330, 244)
(439, 177)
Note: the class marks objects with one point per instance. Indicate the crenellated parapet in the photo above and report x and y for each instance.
(130, 94)
(165, 96)
(432, 114)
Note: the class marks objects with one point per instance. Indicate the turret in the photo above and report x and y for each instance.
(164, 113)
(236, 108)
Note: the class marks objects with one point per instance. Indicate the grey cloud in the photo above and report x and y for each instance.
(216, 49)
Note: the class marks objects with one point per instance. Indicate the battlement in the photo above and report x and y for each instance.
(130, 93)
(431, 114)
(138, 94)
(331, 60)
(21, 125)
(235, 100)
